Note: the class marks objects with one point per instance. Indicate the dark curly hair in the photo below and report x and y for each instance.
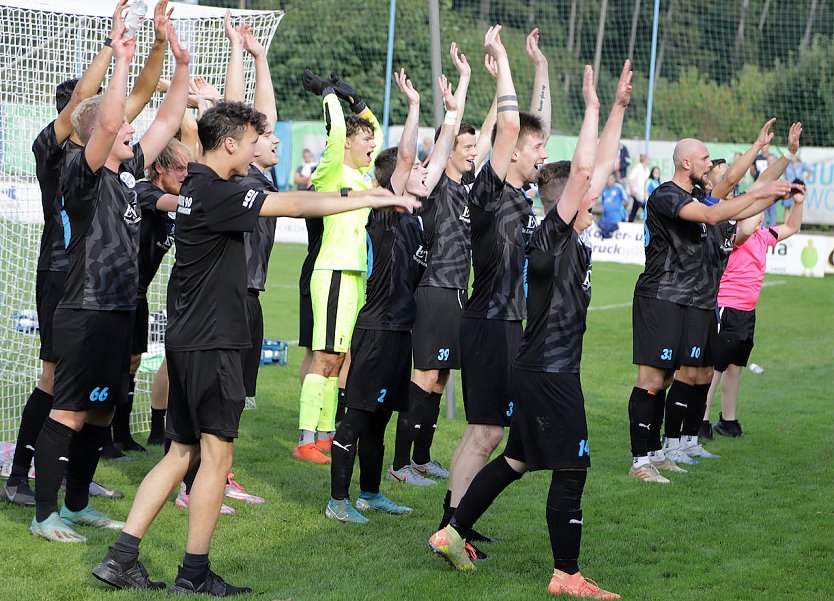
(228, 120)
(384, 165)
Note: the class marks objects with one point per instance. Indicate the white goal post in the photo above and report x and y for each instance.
(42, 43)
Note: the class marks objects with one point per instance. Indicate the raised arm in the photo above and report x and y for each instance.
(775, 171)
(264, 94)
(739, 167)
(407, 151)
(189, 135)
(739, 207)
(111, 113)
(170, 113)
(609, 141)
(328, 174)
(507, 119)
(322, 204)
(464, 76)
(540, 102)
(585, 155)
(446, 139)
(145, 84)
(90, 82)
(794, 221)
(234, 68)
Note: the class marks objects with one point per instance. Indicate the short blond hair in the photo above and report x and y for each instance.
(84, 116)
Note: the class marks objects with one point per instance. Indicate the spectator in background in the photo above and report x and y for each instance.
(636, 183)
(652, 182)
(624, 161)
(614, 201)
(797, 172)
(302, 176)
(424, 148)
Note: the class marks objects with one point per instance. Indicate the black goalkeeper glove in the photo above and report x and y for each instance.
(347, 93)
(315, 84)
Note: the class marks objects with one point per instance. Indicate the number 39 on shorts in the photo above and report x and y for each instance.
(443, 354)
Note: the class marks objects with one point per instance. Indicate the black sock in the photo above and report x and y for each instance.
(51, 458)
(371, 452)
(340, 406)
(485, 488)
(121, 419)
(85, 452)
(659, 406)
(428, 426)
(409, 424)
(188, 479)
(641, 416)
(677, 403)
(194, 568)
(564, 518)
(126, 549)
(34, 415)
(157, 423)
(343, 451)
(697, 403)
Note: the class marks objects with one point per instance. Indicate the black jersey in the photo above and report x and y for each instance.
(719, 244)
(156, 234)
(674, 248)
(558, 295)
(396, 262)
(50, 159)
(315, 229)
(103, 234)
(502, 221)
(445, 215)
(209, 311)
(258, 243)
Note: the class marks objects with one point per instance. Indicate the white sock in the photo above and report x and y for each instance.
(689, 441)
(306, 437)
(641, 461)
(671, 444)
(324, 436)
(657, 456)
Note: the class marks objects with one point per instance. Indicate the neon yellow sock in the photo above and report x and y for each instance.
(327, 418)
(310, 403)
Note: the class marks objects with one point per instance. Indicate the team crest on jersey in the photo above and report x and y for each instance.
(421, 256)
(703, 230)
(131, 215)
(531, 225)
(127, 179)
(465, 215)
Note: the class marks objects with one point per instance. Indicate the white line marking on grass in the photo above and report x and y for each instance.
(607, 307)
(774, 283)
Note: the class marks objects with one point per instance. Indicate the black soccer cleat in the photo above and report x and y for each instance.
(156, 440)
(21, 494)
(705, 430)
(213, 585)
(477, 537)
(729, 428)
(132, 445)
(121, 576)
(111, 453)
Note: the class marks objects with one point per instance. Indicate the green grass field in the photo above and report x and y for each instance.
(756, 524)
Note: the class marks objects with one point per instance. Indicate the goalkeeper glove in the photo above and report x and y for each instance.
(315, 84)
(347, 93)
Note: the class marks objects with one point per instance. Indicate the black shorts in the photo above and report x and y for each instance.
(487, 349)
(49, 288)
(437, 327)
(139, 343)
(734, 339)
(205, 394)
(548, 429)
(380, 370)
(93, 359)
(667, 335)
(251, 357)
(305, 321)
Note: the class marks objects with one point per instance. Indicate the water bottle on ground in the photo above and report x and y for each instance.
(756, 369)
(135, 17)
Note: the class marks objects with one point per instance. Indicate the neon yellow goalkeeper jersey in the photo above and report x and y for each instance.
(343, 241)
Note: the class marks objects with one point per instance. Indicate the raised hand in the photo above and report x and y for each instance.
(459, 61)
(446, 92)
(253, 46)
(778, 189)
(236, 34)
(161, 20)
(314, 83)
(589, 92)
(180, 53)
(492, 42)
(533, 50)
(793, 137)
(406, 87)
(623, 96)
(200, 87)
(765, 135)
(348, 93)
(123, 49)
(491, 65)
(118, 18)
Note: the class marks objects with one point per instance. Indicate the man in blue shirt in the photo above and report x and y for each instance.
(614, 201)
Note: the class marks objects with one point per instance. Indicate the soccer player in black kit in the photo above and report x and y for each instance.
(548, 429)
(93, 319)
(205, 338)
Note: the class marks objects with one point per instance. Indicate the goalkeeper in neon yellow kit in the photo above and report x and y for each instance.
(337, 286)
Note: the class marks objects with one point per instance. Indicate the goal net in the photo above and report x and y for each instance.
(42, 43)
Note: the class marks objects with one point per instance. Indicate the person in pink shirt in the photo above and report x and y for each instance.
(738, 294)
